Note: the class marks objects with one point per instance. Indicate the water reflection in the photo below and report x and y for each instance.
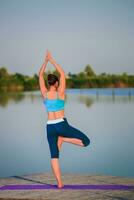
(115, 98)
(6, 97)
(88, 97)
(88, 101)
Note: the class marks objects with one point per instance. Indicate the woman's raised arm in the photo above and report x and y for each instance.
(62, 84)
(42, 85)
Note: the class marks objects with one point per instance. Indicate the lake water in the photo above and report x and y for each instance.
(105, 115)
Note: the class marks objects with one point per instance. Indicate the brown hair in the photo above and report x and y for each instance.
(51, 78)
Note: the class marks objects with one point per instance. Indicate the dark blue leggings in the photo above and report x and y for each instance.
(63, 129)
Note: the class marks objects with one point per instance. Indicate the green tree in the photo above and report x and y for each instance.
(89, 71)
(3, 72)
(19, 77)
(81, 75)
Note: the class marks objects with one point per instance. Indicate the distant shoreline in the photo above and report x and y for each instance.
(84, 79)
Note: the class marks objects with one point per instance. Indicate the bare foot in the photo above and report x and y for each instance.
(60, 185)
(60, 141)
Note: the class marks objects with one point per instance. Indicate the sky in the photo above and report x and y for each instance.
(76, 32)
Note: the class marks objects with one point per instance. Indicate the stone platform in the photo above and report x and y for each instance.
(76, 186)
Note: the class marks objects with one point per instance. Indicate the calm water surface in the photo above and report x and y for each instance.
(105, 115)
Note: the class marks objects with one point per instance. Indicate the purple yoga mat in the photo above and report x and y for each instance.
(67, 187)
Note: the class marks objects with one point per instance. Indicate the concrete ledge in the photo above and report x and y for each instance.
(77, 186)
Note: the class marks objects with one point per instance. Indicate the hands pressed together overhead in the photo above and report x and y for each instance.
(48, 56)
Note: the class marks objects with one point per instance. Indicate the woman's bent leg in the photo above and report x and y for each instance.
(71, 134)
(70, 140)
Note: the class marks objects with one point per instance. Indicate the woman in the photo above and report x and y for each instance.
(58, 128)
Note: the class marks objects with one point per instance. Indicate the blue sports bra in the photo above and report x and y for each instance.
(54, 104)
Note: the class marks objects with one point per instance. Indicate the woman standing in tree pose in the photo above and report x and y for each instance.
(57, 127)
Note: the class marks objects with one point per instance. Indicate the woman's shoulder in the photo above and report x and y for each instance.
(61, 94)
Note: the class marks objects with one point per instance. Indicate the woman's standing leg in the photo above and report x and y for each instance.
(57, 172)
(54, 151)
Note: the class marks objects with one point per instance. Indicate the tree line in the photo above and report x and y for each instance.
(83, 79)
